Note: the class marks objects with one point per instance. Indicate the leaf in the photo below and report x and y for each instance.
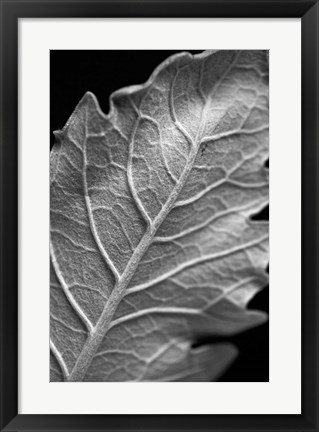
(152, 245)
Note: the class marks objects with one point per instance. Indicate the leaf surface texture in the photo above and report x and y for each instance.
(152, 246)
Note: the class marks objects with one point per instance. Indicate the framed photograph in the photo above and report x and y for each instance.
(159, 208)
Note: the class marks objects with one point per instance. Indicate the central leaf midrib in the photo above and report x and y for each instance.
(101, 328)
(96, 336)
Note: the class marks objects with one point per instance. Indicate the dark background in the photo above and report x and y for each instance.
(72, 73)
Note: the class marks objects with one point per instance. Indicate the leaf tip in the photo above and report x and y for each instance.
(257, 317)
(58, 135)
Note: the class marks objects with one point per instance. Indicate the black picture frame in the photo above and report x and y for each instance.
(11, 11)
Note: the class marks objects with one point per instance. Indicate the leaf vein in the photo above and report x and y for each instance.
(194, 262)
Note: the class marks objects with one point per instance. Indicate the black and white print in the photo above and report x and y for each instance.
(158, 223)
